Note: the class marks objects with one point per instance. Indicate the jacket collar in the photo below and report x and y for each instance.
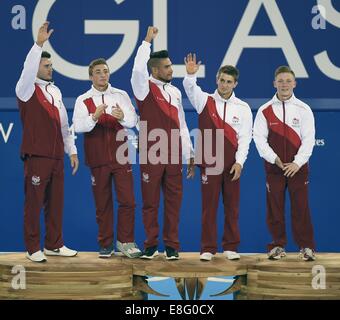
(275, 99)
(43, 82)
(158, 82)
(217, 97)
(95, 92)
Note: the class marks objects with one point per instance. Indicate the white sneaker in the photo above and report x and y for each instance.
(206, 256)
(62, 252)
(231, 255)
(129, 249)
(36, 256)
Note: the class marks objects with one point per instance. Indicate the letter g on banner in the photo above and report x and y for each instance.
(129, 28)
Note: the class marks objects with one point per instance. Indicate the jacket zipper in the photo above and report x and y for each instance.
(169, 121)
(284, 132)
(224, 114)
(107, 134)
(56, 133)
(169, 103)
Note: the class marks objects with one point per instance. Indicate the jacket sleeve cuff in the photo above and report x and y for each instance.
(272, 158)
(73, 150)
(146, 44)
(298, 162)
(240, 161)
(191, 76)
(37, 48)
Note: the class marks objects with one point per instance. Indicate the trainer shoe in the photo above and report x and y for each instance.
(106, 252)
(231, 255)
(61, 252)
(36, 256)
(276, 253)
(171, 253)
(129, 249)
(206, 256)
(307, 254)
(150, 253)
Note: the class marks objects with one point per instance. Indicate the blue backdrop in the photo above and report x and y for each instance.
(218, 31)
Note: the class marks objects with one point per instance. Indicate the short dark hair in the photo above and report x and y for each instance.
(284, 69)
(45, 54)
(230, 70)
(155, 57)
(96, 62)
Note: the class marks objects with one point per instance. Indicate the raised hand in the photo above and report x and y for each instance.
(43, 34)
(151, 34)
(190, 63)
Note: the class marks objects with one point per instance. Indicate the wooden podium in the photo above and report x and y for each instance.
(88, 277)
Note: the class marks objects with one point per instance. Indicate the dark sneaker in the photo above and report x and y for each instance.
(106, 252)
(150, 253)
(307, 254)
(276, 253)
(171, 253)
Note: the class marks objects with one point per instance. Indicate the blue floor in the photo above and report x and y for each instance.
(168, 286)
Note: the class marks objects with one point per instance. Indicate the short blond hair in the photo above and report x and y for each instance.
(284, 69)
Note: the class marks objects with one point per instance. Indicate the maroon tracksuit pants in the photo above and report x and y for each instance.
(301, 220)
(102, 178)
(44, 188)
(211, 187)
(169, 178)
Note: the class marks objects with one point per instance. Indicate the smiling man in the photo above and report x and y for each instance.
(284, 134)
(46, 137)
(100, 114)
(220, 111)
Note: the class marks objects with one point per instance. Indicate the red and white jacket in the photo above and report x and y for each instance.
(100, 141)
(284, 129)
(43, 114)
(159, 103)
(233, 115)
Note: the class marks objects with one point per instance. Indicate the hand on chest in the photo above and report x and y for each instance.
(111, 101)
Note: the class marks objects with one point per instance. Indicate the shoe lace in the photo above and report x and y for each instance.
(131, 247)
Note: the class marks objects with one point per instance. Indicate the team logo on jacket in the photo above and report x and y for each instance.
(36, 180)
(296, 122)
(93, 180)
(235, 120)
(204, 179)
(146, 178)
